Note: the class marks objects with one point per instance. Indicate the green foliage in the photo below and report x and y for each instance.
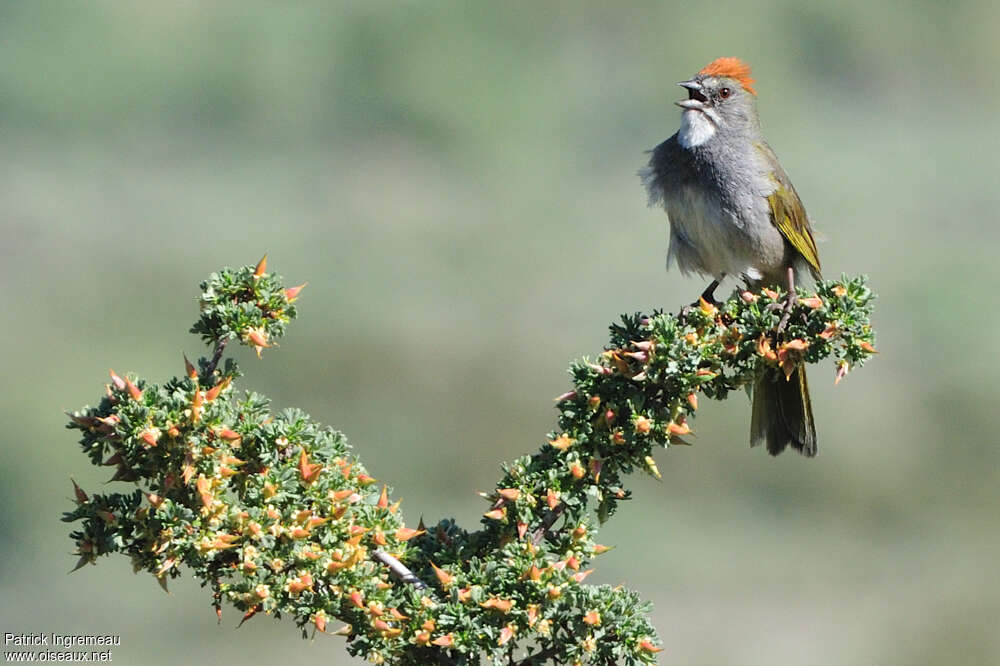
(276, 514)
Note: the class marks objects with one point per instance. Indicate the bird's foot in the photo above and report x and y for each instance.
(789, 304)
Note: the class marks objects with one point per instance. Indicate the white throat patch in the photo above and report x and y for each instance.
(696, 129)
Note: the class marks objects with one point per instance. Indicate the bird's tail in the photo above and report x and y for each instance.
(782, 413)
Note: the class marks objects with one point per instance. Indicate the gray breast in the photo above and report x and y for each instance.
(717, 208)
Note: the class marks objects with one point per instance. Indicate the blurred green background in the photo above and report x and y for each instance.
(457, 183)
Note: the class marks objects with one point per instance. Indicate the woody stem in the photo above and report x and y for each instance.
(549, 521)
(398, 569)
(220, 346)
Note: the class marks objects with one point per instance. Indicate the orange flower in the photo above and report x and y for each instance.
(813, 302)
(407, 533)
(258, 339)
(319, 619)
(292, 293)
(506, 634)
(261, 267)
(213, 392)
(679, 427)
(562, 442)
(764, 349)
(645, 645)
(134, 392)
(502, 605)
(189, 368)
(445, 578)
(150, 436)
(308, 471)
(496, 514)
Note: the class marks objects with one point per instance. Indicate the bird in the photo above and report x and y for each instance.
(733, 212)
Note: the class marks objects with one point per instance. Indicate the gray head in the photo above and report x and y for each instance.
(720, 97)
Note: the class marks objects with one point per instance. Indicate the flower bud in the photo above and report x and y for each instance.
(230, 436)
(319, 619)
(258, 339)
(445, 578)
(150, 436)
(651, 466)
(213, 392)
(133, 392)
(511, 494)
(117, 381)
(81, 497)
(842, 369)
(813, 302)
(189, 368)
(407, 533)
(292, 293)
(258, 272)
(678, 428)
(645, 645)
(502, 605)
(569, 395)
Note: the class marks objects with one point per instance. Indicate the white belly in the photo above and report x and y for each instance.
(706, 238)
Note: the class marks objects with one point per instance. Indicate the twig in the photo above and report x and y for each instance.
(217, 356)
(550, 519)
(399, 569)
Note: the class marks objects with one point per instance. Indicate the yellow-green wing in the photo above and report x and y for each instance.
(789, 215)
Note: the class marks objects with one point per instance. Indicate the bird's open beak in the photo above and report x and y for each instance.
(695, 99)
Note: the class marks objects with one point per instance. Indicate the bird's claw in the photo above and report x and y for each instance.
(789, 304)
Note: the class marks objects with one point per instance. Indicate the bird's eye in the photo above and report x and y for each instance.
(725, 92)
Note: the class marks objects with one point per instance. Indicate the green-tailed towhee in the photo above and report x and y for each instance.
(733, 212)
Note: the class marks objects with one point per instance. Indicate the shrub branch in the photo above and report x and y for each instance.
(278, 515)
